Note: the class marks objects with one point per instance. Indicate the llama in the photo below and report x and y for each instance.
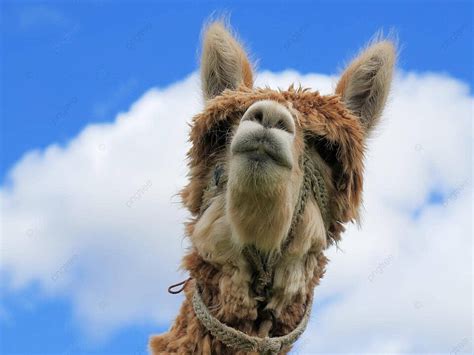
(274, 176)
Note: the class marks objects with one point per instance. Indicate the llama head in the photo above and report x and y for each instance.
(249, 145)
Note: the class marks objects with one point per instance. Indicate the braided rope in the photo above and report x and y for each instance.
(263, 268)
(318, 188)
(302, 199)
(236, 339)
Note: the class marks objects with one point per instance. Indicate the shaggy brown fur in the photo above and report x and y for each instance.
(332, 129)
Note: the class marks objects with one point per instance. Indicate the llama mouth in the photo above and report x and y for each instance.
(262, 149)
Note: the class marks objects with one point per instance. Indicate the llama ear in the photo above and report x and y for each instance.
(365, 84)
(224, 64)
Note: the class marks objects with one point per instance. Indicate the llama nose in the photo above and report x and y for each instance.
(270, 114)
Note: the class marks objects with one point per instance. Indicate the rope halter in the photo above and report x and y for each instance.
(264, 266)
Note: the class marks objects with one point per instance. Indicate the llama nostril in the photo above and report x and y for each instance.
(282, 125)
(258, 116)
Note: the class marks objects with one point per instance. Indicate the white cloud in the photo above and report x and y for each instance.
(404, 279)
(97, 221)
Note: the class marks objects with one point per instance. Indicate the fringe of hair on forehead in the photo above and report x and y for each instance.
(320, 117)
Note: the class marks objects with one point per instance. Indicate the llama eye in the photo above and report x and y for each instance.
(327, 150)
(217, 174)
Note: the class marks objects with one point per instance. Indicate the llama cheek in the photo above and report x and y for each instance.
(212, 235)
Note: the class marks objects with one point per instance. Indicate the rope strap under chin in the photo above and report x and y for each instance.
(236, 339)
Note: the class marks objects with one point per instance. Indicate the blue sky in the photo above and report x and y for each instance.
(67, 65)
